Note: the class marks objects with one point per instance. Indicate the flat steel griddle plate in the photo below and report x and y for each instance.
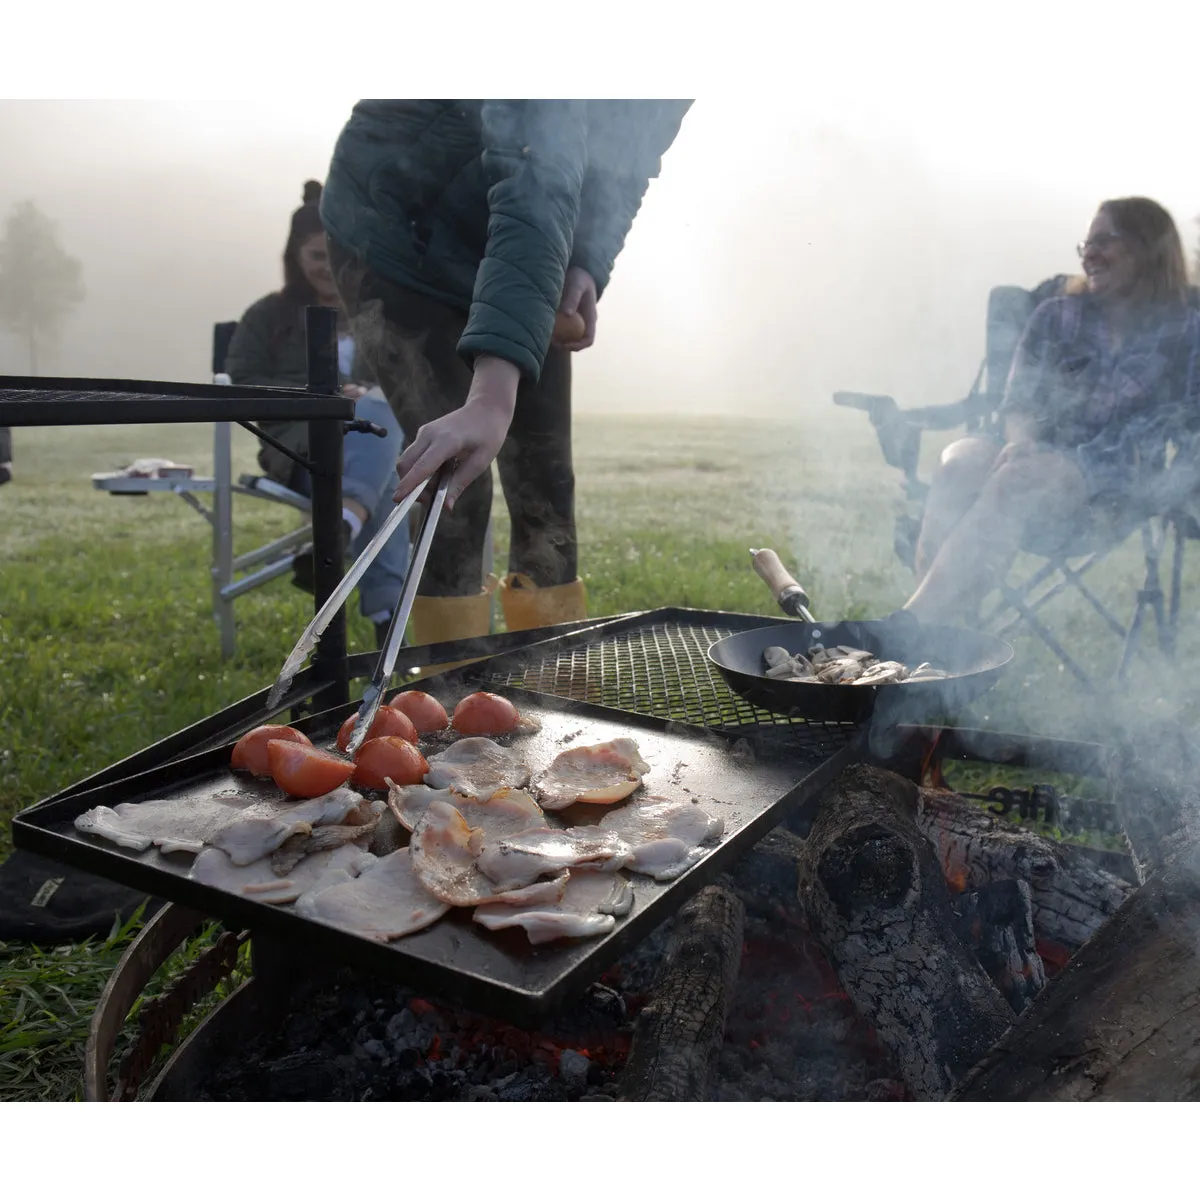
(492, 971)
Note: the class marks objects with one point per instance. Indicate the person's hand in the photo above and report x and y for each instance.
(579, 296)
(472, 434)
(355, 391)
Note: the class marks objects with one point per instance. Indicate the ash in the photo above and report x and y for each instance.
(351, 1038)
(792, 1033)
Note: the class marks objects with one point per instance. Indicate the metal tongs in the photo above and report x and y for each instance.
(395, 634)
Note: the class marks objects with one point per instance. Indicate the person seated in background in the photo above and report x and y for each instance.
(1100, 380)
(269, 348)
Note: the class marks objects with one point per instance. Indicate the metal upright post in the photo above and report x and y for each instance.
(222, 502)
(325, 454)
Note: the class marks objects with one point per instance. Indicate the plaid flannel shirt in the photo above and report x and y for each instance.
(1110, 406)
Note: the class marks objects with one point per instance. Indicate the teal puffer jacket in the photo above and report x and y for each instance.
(483, 204)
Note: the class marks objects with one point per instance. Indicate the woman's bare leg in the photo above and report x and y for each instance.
(1027, 485)
(957, 481)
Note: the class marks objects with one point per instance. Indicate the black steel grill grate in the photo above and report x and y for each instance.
(662, 670)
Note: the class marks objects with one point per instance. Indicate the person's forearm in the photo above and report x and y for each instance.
(494, 383)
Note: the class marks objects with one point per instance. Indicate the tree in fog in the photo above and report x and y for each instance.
(39, 281)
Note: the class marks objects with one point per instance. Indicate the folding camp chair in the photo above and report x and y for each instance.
(1021, 602)
(232, 575)
(235, 575)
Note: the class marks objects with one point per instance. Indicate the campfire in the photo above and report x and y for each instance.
(884, 955)
(865, 933)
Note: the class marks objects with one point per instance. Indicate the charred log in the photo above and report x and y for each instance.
(1122, 1021)
(678, 1034)
(767, 876)
(996, 923)
(877, 901)
(1072, 898)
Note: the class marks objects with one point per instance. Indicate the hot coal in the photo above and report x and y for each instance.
(792, 1033)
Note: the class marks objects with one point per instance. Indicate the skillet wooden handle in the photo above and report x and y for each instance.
(775, 575)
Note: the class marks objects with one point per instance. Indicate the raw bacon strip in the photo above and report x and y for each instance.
(600, 774)
(477, 766)
(385, 902)
(589, 908)
(518, 860)
(259, 882)
(508, 810)
(664, 836)
(190, 823)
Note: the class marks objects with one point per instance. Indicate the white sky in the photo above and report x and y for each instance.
(843, 194)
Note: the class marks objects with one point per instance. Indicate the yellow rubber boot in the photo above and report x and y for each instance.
(446, 619)
(527, 606)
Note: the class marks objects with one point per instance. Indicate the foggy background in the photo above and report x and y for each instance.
(789, 248)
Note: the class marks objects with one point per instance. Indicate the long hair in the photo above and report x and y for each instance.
(306, 221)
(1149, 233)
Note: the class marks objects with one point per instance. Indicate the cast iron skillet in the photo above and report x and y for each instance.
(974, 661)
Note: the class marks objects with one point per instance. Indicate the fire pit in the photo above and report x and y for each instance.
(760, 977)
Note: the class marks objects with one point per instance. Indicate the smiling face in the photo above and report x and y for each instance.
(1108, 263)
(312, 255)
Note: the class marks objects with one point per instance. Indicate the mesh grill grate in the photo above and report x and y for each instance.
(74, 395)
(663, 671)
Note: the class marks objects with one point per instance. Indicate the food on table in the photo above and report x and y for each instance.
(506, 811)
(842, 664)
(250, 751)
(385, 759)
(384, 901)
(484, 714)
(306, 771)
(520, 858)
(665, 836)
(258, 881)
(600, 774)
(388, 722)
(588, 908)
(423, 710)
(476, 766)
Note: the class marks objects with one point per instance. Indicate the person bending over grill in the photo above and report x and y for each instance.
(269, 348)
(1102, 376)
(456, 229)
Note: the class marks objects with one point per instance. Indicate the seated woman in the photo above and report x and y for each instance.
(1096, 386)
(268, 348)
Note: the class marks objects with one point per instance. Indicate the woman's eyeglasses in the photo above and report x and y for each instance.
(1100, 242)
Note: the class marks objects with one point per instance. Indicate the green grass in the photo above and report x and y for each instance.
(107, 642)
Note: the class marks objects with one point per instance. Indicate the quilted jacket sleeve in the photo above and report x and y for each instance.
(627, 139)
(251, 360)
(534, 158)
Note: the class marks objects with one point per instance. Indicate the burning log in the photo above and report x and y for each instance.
(1122, 1021)
(767, 876)
(996, 922)
(1072, 899)
(679, 1033)
(877, 901)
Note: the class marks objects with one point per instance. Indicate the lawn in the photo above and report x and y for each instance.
(107, 642)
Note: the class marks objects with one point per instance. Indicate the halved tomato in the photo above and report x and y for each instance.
(422, 709)
(305, 771)
(388, 722)
(250, 753)
(483, 714)
(386, 758)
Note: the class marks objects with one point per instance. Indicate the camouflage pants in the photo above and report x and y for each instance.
(411, 343)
